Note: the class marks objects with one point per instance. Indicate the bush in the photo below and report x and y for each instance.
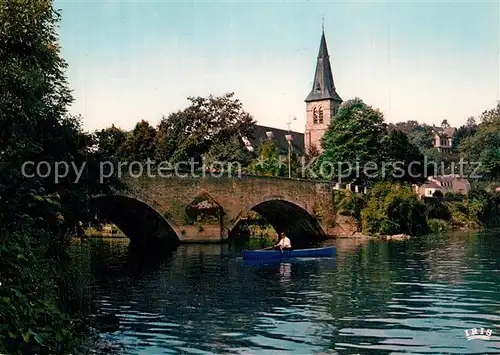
(32, 299)
(438, 226)
(436, 209)
(393, 209)
(437, 193)
(349, 204)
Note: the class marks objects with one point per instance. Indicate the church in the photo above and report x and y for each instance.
(322, 103)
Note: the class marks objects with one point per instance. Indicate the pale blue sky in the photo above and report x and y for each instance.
(132, 60)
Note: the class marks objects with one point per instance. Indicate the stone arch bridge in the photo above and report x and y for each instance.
(155, 209)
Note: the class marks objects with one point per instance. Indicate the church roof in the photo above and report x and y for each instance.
(323, 86)
(259, 135)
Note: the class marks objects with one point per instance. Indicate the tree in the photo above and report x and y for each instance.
(465, 131)
(309, 160)
(445, 123)
(422, 137)
(229, 151)
(418, 134)
(269, 162)
(111, 141)
(354, 137)
(471, 122)
(172, 132)
(491, 115)
(140, 144)
(406, 162)
(484, 146)
(437, 193)
(393, 209)
(41, 303)
(206, 123)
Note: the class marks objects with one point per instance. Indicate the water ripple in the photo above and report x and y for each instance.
(378, 298)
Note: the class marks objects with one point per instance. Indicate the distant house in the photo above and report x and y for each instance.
(263, 133)
(443, 184)
(443, 138)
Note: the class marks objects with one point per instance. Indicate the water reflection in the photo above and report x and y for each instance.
(372, 298)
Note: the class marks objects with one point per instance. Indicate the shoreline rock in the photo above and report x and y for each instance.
(396, 237)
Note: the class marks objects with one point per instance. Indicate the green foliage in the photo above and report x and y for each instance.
(231, 150)
(405, 161)
(483, 208)
(210, 128)
(140, 144)
(309, 159)
(393, 209)
(465, 131)
(41, 297)
(349, 204)
(420, 135)
(111, 142)
(34, 318)
(203, 128)
(476, 210)
(484, 145)
(438, 226)
(354, 136)
(437, 193)
(435, 208)
(358, 135)
(269, 161)
(461, 216)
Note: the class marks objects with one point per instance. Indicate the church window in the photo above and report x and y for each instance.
(320, 114)
(318, 86)
(315, 115)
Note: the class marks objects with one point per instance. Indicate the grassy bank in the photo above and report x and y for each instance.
(106, 231)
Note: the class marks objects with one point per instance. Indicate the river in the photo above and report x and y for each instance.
(412, 297)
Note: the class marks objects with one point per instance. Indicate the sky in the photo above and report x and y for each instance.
(134, 60)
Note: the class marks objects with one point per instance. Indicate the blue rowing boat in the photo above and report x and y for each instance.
(290, 253)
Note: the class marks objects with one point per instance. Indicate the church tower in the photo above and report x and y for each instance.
(323, 102)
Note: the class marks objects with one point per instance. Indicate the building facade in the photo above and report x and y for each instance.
(323, 102)
(446, 183)
(443, 138)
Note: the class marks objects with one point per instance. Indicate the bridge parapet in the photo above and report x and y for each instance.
(297, 207)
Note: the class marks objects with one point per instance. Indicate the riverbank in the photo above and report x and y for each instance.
(107, 231)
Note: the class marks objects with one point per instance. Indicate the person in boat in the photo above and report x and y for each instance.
(284, 242)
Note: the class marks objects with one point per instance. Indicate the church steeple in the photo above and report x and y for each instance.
(323, 102)
(323, 87)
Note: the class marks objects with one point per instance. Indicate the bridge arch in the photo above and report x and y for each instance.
(204, 205)
(289, 217)
(140, 221)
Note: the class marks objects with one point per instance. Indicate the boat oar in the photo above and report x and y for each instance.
(268, 248)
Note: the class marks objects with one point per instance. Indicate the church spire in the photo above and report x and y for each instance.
(323, 85)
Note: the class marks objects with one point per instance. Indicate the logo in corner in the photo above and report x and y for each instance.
(478, 333)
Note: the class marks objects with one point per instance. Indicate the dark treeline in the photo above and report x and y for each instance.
(42, 298)
(211, 128)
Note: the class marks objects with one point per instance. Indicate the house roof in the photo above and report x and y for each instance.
(323, 86)
(259, 135)
(445, 132)
(431, 185)
(449, 178)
